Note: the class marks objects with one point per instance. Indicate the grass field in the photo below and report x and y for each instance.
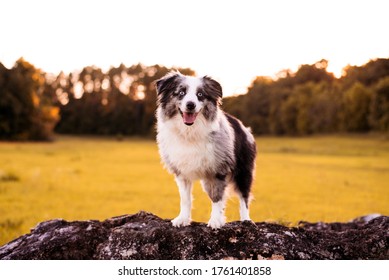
(327, 178)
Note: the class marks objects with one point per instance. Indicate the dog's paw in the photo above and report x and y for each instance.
(181, 221)
(216, 223)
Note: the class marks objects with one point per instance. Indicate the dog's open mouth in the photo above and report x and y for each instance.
(189, 118)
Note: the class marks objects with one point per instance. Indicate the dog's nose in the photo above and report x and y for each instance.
(190, 105)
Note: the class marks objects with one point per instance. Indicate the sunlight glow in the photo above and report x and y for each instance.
(233, 41)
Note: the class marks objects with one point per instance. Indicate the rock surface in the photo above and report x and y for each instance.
(146, 236)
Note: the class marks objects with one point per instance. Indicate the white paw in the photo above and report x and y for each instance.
(181, 221)
(217, 222)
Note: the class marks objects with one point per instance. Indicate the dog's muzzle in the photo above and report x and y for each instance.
(189, 115)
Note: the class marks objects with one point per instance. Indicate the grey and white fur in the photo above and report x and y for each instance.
(198, 141)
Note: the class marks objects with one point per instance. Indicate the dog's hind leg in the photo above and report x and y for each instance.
(243, 192)
(244, 208)
(243, 181)
(185, 189)
(216, 191)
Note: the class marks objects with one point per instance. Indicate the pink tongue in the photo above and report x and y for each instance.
(189, 118)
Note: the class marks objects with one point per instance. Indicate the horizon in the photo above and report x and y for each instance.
(234, 43)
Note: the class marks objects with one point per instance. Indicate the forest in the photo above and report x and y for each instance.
(35, 105)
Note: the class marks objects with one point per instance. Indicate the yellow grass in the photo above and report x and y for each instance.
(334, 178)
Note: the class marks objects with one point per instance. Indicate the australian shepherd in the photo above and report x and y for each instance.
(198, 141)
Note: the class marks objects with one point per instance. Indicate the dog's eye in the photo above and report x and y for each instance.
(199, 94)
(182, 93)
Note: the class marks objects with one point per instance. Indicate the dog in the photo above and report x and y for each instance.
(199, 141)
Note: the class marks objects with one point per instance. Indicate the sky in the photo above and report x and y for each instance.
(232, 41)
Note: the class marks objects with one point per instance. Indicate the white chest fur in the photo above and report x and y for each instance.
(188, 149)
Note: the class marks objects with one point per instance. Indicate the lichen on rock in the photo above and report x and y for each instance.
(146, 236)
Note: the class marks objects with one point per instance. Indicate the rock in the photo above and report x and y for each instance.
(146, 236)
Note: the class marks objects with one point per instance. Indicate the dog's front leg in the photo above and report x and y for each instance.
(185, 189)
(216, 191)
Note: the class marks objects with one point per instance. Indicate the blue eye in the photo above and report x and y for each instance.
(181, 93)
(199, 94)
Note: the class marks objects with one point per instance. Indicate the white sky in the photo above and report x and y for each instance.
(232, 41)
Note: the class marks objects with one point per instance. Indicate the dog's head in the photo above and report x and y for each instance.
(188, 96)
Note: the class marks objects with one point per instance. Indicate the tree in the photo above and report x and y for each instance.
(121, 101)
(367, 74)
(379, 117)
(313, 73)
(24, 112)
(325, 108)
(288, 115)
(355, 108)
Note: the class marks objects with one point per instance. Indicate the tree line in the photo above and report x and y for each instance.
(122, 101)
(312, 100)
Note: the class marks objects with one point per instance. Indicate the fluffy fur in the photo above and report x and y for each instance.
(198, 141)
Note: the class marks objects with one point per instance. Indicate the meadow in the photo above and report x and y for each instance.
(321, 178)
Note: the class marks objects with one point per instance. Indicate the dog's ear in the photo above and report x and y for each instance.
(167, 83)
(213, 88)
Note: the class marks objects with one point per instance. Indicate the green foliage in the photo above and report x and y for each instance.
(122, 101)
(379, 118)
(356, 103)
(312, 101)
